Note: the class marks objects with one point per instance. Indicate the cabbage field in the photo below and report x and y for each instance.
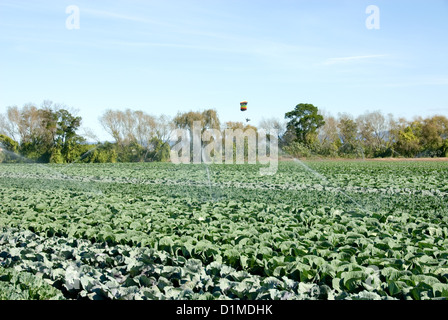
(315, 230)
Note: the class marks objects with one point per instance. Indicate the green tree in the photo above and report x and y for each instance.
(101, 153)
(348, 132)
(160, 151)
(408, 138)
(304, 121)
(298, 150)
(132, 152)
(56, 156)
(41, 131)
(434, 134)
(10, 145)
(66, 137)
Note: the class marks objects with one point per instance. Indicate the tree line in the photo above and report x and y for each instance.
(370, 135)
(51, 134)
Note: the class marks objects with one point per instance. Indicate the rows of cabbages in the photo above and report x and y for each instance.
(173, 233)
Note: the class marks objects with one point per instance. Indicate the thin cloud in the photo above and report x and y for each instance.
(119, 16)
(142, 44)
(435, 81)
(333, 61)
(113, 15)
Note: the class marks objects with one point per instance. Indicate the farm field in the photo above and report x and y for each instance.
(314, 230)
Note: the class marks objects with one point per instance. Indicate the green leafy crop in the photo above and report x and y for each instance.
(333, 230)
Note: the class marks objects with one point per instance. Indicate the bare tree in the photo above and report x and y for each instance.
(25, 124)
(13, 123)
(186, 120)
(329, 132)
(273, 124)
(5, 127)
(374, 130)
(163, 127)
(88, 133)
(145, 128)
(209, 119)
(111, 122)
(130, 126)
(234, 125)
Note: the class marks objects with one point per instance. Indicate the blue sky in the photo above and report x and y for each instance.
(180, 55)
